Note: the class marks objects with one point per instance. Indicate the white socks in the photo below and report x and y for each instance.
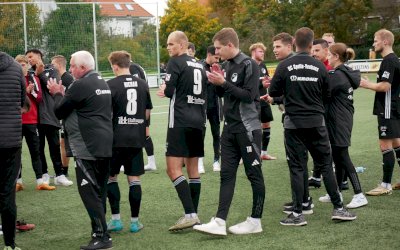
(116, 216)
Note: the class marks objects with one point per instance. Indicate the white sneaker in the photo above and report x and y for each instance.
(201, 165)
(216, 166)
(358, 200)
(46, 178)
(216, 226)
(151, 165)
(326, 198)
(62, 181)
(249, 226)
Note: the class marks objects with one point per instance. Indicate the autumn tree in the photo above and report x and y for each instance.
(12, 27)
(193, 19)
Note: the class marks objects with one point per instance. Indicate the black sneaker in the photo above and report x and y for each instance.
(292, 220)
(314, 183)
(98, 244)
(306, 209)
(342, 214)
(345, 185)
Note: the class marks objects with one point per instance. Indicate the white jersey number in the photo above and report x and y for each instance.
(131, 106)
(197, 81)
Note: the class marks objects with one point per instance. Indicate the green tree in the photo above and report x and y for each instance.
(69, 28)
(344, 18)
(12, 27)
(193, 19)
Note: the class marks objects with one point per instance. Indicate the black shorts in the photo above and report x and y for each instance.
(130, 158)
(185, 142)
(266, 114)
(388, 128)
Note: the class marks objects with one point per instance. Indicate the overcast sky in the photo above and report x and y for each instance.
(151, 6)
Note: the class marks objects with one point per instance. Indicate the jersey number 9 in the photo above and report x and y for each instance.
(197, 77)
(131, 106)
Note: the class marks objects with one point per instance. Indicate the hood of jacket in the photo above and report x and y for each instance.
(5, 61)
(354, 76)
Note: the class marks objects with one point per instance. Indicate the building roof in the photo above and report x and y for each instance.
(121, 8)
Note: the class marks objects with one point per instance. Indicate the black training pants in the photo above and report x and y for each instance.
(53, 140)
(317, 142)
(91, 177)
(31, 134)
(234, 147)
(214, 119)
(10, 162)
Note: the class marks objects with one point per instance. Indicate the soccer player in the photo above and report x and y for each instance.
(339, 118)
(60, 64)
(304, 83)
(185, 84)
(241, 136)
(86, 107)
(386, 108)
(131, 108)
(137, 71)
(214, 106)
(257, 51)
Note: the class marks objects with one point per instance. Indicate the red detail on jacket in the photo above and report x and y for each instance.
(31, 117)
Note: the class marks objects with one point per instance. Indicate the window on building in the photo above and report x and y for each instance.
(118, 6)
(129, 6)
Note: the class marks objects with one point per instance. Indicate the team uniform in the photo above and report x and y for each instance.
(339, 121)
(266, 112)
(387, 104)
(304, 83)
(387, 110)
(130, 100)
(241, 136)
(186, 86)
(86, 108)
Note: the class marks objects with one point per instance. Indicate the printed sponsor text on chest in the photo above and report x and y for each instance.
(302, 66)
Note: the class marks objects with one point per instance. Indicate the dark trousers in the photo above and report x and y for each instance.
(344, 166)
(10, 162)
(234, 147)
(303, 158)
(317, 142)
(53, 141)
(91, 177)
(31, 134)
(214, 119)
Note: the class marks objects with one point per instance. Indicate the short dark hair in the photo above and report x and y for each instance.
(191, 46)
(35, 51)
(286, 38)
(211, 50)
(304, 37)
(323, 42)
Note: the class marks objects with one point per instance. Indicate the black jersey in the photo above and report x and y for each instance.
(303, 81)
(130, 100)
(339, 109)
(241, 95)
(186, 86)
(263, 73)
(387, 104)
(137, 70)
(66, 79)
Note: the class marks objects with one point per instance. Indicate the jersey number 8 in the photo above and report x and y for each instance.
(197, 81)
(131, 106)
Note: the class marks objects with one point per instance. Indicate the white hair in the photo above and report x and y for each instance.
(84, 58)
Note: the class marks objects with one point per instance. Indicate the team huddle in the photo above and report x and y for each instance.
(106, 126)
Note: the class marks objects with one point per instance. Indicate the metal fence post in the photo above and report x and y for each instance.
(95, 36)
(25, 29)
